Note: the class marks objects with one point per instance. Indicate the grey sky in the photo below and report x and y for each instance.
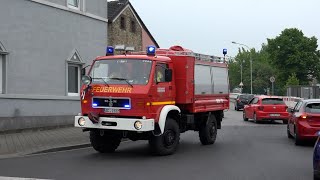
(208, 26)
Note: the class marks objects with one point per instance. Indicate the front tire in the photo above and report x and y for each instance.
(105, 141)
(255, 118)
(297, 139)
(316, 176)
(208, 130)
(244, 116)
(167, 142)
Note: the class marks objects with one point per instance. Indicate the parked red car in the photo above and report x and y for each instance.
(304, 121)
(266, 108)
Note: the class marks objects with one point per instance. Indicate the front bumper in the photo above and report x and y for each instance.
(116, 123)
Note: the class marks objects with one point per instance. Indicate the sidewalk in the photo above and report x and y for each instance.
(34, 141)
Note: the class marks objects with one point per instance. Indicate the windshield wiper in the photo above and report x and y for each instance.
(121, 79)
(103, 81)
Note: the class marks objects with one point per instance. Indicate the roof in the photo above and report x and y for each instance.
(268, 96)
(311, 100)
(135, 57)
(117, 6)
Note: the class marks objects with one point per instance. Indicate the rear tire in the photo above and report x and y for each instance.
(288, 133)
(167, 143)
(208, 130)
(105, 141)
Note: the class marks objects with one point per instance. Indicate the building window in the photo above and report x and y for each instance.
(74, 4)
(122, 23)
(74, 65)
(73, 79)
(133, 26)
(1, 73)
(3, 57)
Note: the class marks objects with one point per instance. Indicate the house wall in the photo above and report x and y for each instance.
(118, 36)
(146, 40)
(39, 36)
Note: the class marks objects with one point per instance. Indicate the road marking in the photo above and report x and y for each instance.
(19, 178)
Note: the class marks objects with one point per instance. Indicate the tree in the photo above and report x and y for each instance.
(292, 52)
(261, 71)
(242, 59)
(292, 80)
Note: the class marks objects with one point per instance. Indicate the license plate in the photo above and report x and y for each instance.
(109, 110)
(274, 115)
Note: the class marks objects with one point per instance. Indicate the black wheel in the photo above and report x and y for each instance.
(236, 108)
(297, 139)
(285, 121)
(288, 133)
(208, 130)
(166, 143)
(316, 176)
(255, 118)
(105, 141)
(244, 116)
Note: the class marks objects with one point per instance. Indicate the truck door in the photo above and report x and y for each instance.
(163, 90)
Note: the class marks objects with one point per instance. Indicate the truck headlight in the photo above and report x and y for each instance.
(81, 121)
(138, 125)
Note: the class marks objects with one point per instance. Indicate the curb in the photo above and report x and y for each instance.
(13, 131)
(65, 148)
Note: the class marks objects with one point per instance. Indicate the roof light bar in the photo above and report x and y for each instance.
(151, 50)
(109, 51)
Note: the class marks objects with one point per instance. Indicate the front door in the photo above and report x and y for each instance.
(163, 92)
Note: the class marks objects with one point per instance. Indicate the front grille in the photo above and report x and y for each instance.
(112, 102)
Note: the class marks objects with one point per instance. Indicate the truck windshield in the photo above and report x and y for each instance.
(121, 71)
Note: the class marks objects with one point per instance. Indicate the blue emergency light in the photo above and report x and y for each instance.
(109, 51)
(151, 50)
(94, 104)
(127, 106)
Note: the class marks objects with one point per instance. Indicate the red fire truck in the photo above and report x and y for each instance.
(154, 96)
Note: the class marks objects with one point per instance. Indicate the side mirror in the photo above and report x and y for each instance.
(168, 75)
(290, 110)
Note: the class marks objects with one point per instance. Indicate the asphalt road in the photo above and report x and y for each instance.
(243, 150)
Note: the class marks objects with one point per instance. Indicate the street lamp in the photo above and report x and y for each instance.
(250, 61)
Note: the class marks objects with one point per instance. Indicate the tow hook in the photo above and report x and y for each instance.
(94, 118)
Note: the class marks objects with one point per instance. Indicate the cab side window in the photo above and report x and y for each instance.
(160, 72)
